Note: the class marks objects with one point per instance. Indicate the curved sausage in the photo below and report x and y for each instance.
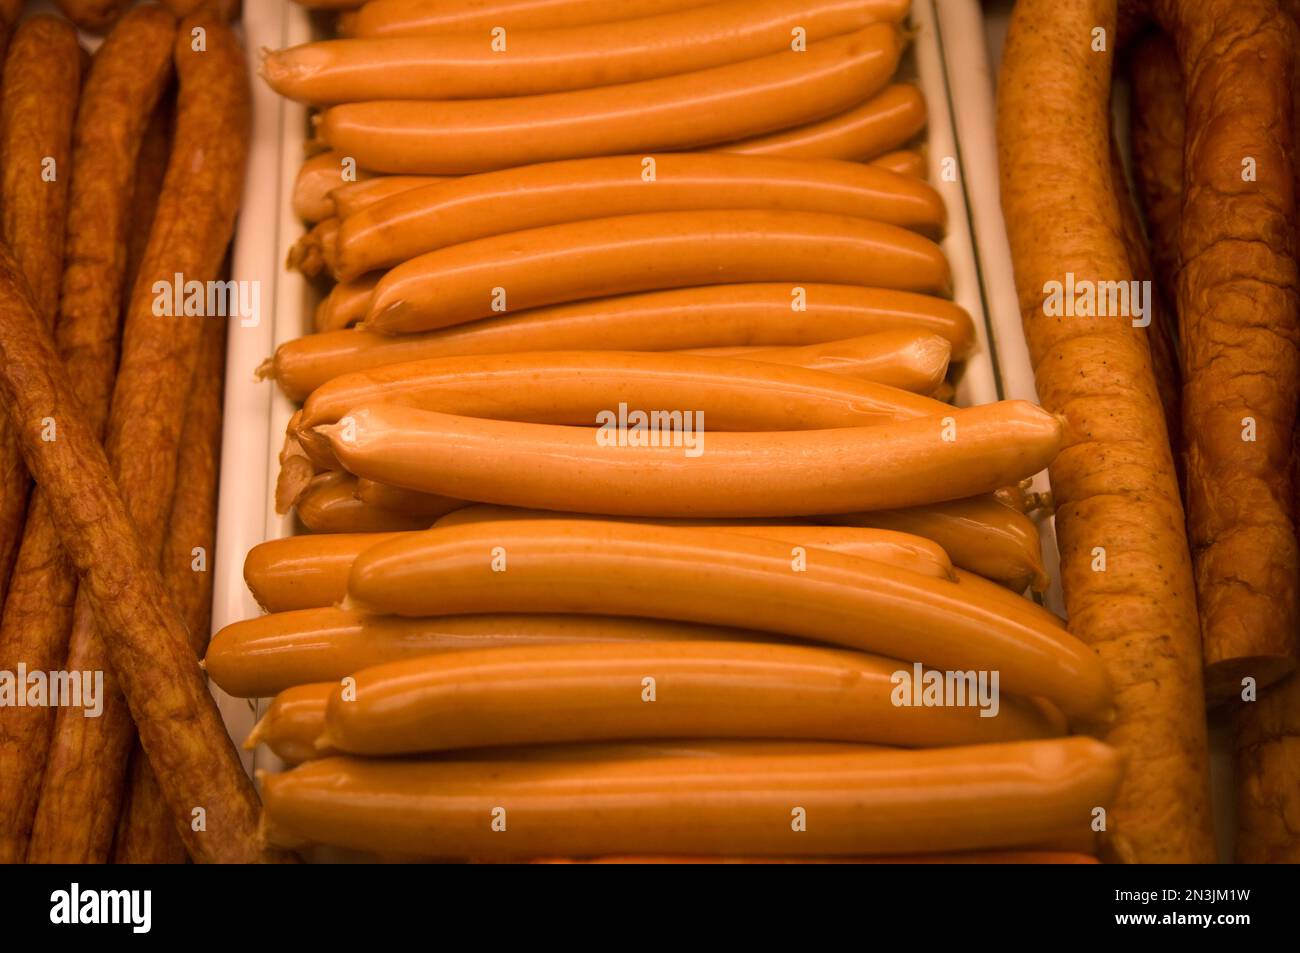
(293, 722)
(887, 121)
(967, 798)
(980, 534)
(330, 505)
(301, 572)
(635, 253)
(495, 203)
(913, 361)
(784, 473)
(717, 315)
(706, 107)
(346, 304)
(720, 578)
(529, 62)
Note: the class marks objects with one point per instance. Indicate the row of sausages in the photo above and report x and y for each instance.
(501, 639)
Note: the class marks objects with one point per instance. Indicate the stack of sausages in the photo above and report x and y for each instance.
(516, 627)
(1180, 447)
(112, 184)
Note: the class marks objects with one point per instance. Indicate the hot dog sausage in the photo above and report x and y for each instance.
(417, 17)
(346, 304)
(293, 722)
(706, 107)
(887, 121)
(633, 253)
(587, 567)
(718, 315)
(913, 361)
(356, 197)
(955, 799)
(262, 656)
(301, 572)
(528, 62)
(319, 176)
(495, 203)
(595, 692)
(330, 505)
(795, 473)
(980, 534)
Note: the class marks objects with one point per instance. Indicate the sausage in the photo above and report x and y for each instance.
(963, 798)
(41, 84)
(355, 197)
(316, 251)
(1239, 315)
(597, 692)
(293, 722)
(260, 657)
(330, 505)
(913, 361)
(150, 170)
(417, 17)
(409, 502)
(495, 203)
(531, 62)
(179, 724)
(123, 84)
(634, 253)
(980, 534)
(195, 219)
(687, 111)
(784, 473)
(184, 8)
(146, 833)
(346, 304)
(97, 16)
(318, 177)
(889, 120)
(10, 11)
(1157, 133)
(1114, 483)
(897, 549)
(902, 162)
(586, 566)
(574, 387)
(301, 572)
(713, 316)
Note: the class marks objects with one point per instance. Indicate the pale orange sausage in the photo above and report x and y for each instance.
(330, 505)
(529, 62)
(786, 473)
(293, 722)
(346, 304)
(301, 572)
(421, 220)
(356, 197)
(317, 178)
(980, 534)
(259, 657)
(598, 692)
(419, 17)
(967, 798)
(719, 578)
(908, 360)
(713, 316)
(635, 253)
(887, 121)
(416, 17)
(707, 107)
